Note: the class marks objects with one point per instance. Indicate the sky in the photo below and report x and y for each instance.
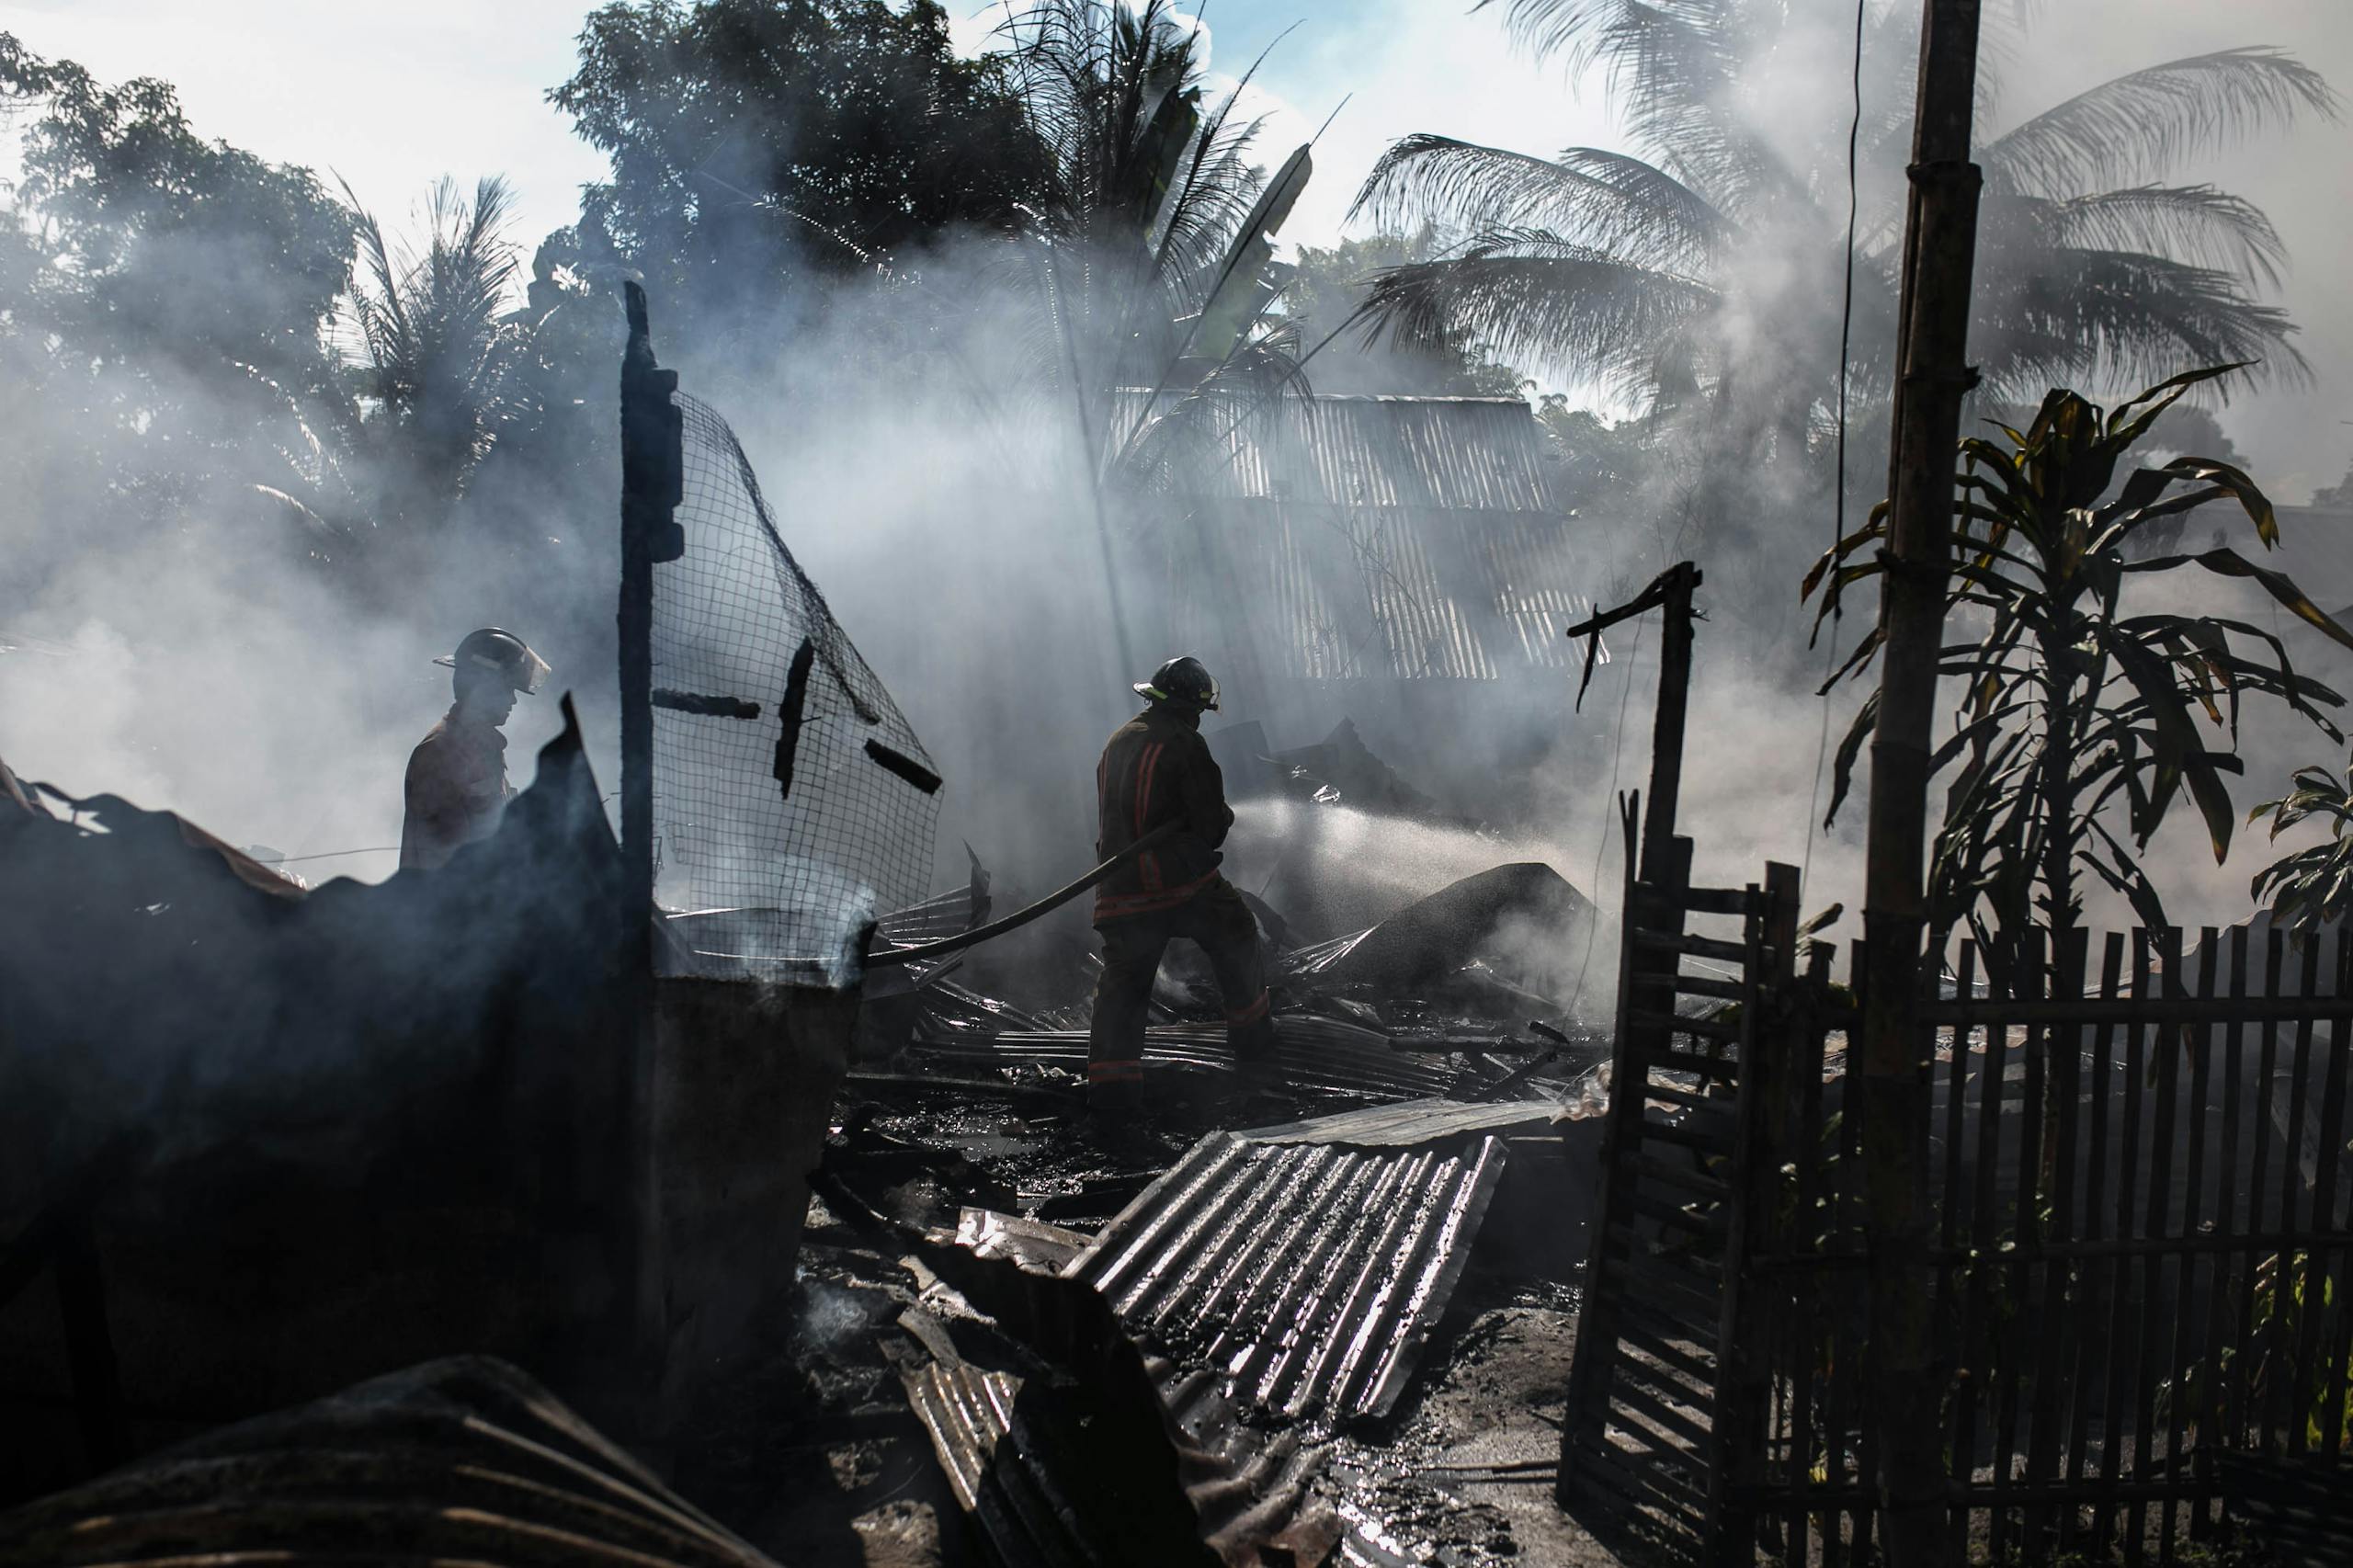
(391, 101)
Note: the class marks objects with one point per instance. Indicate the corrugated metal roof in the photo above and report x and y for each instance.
(1309, 1274)
(1428, 453)
(1338, 593)
(1416, 1122)
(1391, 537)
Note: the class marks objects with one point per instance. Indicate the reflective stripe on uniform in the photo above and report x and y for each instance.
(1111, 906)
(1146, 766)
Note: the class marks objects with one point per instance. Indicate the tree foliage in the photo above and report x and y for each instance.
(167, 304)
(1699, 258)
(1155, 256)
(2312, 887)
(440, 346)
(1324, 298)
(755, 143)
(2076, 711)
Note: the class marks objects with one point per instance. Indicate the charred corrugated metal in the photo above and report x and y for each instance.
(1308, 1274)
(1324, 1054)
(460, 1460)
(1414, 1122)
(1025, 1478)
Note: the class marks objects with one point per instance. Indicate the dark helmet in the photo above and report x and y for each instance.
(501, 653)
(1182, 680)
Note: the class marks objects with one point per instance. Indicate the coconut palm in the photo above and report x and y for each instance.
(1693, 265)
(1152, 247)
(437, 347)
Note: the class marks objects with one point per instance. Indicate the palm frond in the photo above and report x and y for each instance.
(2139, 126)
(2075, 314)
(2200, 224)
(1671, 62)
(1607, 200)
(1537, 299)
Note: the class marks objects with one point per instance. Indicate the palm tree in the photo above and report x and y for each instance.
(1152, 248)
(1151, 259)
(1692, 269)
(437, 346)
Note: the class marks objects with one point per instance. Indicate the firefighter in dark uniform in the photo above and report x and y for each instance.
(456, 788)
(1157, 769)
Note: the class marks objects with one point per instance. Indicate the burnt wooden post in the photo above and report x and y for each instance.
(1767, 1110)
(653, 481)
(1940, 229)
(1670, 590)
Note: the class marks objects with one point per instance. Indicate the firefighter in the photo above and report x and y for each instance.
(457, 788)
(1157, 769)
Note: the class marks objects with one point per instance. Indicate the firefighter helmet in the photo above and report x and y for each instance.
(1182, 681)
(502, 653)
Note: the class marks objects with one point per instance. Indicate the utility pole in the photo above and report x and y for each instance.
(1932, 376)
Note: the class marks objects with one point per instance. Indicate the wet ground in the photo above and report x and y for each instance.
(817, 1458)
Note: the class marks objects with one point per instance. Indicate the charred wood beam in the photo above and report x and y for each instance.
(905, 766)
(707, 707)
(796, 701)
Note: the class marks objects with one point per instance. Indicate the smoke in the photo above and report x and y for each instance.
(942, 497)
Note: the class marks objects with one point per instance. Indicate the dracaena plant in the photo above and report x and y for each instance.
(2081, 723)
(2311, 888)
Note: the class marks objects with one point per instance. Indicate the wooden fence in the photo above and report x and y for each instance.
(2142, 1239)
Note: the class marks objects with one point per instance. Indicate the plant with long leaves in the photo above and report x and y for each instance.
(2073, 707)
(2312, 887)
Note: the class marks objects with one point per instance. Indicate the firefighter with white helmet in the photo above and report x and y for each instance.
(456, 788)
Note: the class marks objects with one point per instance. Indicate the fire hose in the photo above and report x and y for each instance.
(1021, 918)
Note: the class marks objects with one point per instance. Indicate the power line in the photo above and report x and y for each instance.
(1602, 851)
(1838, 498)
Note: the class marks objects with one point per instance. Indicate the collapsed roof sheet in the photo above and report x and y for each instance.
(1416, 1122)
(1310, 1273)
(1018, 1474)
(464, 1460)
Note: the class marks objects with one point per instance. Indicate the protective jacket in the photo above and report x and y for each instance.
(1157, 769)
(455, 792)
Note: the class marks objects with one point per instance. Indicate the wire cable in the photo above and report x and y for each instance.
(1838, 497)
(1602, 851)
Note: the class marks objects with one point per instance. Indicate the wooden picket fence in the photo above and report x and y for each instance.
(2142, 1241)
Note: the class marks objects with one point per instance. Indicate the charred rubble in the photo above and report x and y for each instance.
(1000, 1335)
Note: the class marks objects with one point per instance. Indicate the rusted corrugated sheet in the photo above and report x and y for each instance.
(1308, 1273)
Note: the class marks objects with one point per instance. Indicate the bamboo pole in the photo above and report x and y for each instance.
(1940, 227)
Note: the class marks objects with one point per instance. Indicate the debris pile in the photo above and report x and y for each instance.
(1424, 1003)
